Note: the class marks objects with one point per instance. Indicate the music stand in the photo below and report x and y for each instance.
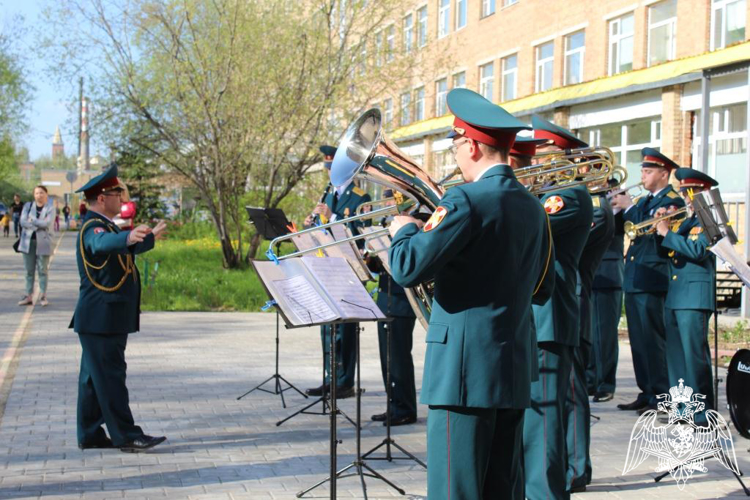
(272, 223)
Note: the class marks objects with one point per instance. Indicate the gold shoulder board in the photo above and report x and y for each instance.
(358, 191)
(672, 195)
(596, 202)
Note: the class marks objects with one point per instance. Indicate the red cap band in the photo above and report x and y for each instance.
(560, 141)
(105, 186)
(497, 138)
(694, 182)
(658, 162)
(523, 148)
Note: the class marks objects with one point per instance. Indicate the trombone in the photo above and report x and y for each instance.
(627, 190)
(648, 226)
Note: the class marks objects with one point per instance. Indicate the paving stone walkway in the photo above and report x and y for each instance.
(185, 372)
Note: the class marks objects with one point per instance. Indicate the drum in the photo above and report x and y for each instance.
(738, 389)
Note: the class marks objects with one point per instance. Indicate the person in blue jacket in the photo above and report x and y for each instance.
(488, 248)
(108, 310)
(691, 293)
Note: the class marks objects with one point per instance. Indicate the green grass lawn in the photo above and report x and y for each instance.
(191, 277)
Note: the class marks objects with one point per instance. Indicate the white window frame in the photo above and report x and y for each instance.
(719, 132)
(453, 79)
(408, 25)
(616, 40)
(508, 3)
(405, 108)
(419, 101)
(422, 26)
(488, 7)
(540, 73)
(571, 52)
(441, 104)
(651, 26)
(487, 83)
(388, 111)
(390, 42)
(721, 5)
(506, 72)
(444, 18)
(378, 48)
(461, 4)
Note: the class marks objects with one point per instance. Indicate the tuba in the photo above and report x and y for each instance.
(367, 153)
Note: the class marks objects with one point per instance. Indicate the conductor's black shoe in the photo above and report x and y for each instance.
(395, 422)
(344, 392)
(379, 417)
(603, 397)
(142, 443)
(100, 443)
(635, 405)
(316, 391)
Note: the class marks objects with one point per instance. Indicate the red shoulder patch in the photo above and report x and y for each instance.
(98, 230)
(436, 218)
(553, 204)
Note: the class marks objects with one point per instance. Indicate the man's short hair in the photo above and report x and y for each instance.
(493, 151)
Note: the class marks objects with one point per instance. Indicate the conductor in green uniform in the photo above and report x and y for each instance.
(107, 312)
(691, 293)
(339, 202)
(645, 281)
(487, 247)
(570, 213)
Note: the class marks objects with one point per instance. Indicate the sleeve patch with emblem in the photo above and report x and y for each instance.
(436, 218)
(98, 230)
(553, 204)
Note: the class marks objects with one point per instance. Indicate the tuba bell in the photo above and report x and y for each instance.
(367, 153)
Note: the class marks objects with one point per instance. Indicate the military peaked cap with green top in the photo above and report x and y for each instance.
(526, 146)
(563, 138)
(477, 118)
(654, 158)
(328, 153)
(689, 177)
(102, 183)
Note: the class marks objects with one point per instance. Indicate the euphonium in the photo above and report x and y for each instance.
(648, 226)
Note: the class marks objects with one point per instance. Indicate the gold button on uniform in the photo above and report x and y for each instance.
(632, 258)
(674, 277)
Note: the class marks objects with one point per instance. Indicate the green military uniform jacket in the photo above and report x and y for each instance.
(104, 246)
(487, 247)
(557, 320)
(397, 305)
(610, 273)
(346, 204)
(692, 267)
(645, 269)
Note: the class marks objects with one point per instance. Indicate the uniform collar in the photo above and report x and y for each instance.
(497, 169)
(101, 216)
(342, 189)
(661, 191)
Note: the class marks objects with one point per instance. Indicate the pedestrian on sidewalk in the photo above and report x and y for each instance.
(16, 208)
(108, 310)
(6, 224)
(36, 243)
(66, 214)
(57, 219)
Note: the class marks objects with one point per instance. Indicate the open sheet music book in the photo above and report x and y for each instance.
(316, 290)
(348, 251)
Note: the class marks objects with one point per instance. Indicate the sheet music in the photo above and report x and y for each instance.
(303, 241)
(344, 288)
(304, 301)
(350, 252)
(726, 252)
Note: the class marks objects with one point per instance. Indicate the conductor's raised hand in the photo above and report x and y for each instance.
(138, 234)
(160, 230)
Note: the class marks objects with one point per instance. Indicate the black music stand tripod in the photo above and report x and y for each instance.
(270, 224)
(362, 470)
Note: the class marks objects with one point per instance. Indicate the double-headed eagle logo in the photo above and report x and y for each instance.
(681, 446)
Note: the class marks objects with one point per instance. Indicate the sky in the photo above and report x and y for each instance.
(49, 106)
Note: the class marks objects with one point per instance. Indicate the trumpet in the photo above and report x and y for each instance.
(648, 226)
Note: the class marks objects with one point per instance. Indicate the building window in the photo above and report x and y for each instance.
(544, 59)
(379, 48)
(486, 80)
(387, 112)
(575, 48)
(444, 15)
(509, 2)
(662, 25)
(408, 33)
(459, 80)
(441, 93)
(405, 108)
(488, 7)
(727, 146)
(510, 77)
(419, 104)
(422, 28)
(390, 42)
(460, 14)
(363, 57)
(621, 44)
(727, 22)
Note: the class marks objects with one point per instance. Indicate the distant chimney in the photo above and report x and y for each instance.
(58, 148)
